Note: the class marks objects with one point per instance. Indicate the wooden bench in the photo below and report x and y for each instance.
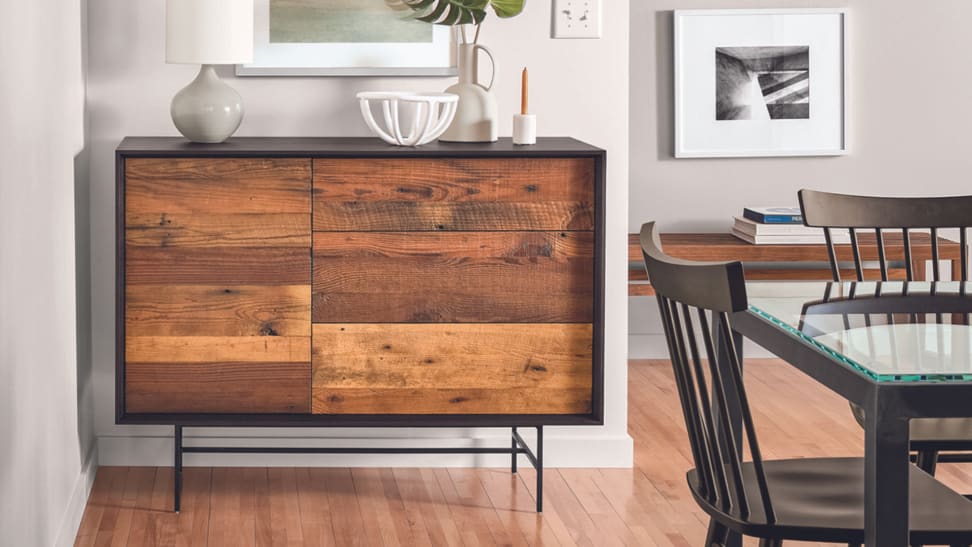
(775, 262)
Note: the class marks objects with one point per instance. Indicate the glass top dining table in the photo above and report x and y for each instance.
(868, 326)
(901, 351)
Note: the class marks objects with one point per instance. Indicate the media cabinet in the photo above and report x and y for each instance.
(342, 282)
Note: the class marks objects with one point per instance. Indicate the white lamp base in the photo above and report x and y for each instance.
(207, 110)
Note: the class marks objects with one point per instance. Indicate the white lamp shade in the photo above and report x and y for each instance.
(210, 32)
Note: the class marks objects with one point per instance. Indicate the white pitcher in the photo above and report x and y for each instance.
(476, 118)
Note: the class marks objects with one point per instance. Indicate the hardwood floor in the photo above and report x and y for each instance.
(648, 505)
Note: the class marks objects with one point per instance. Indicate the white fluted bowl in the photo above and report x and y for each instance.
(426, 115)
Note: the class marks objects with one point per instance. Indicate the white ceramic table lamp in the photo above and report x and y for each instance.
(208, 32)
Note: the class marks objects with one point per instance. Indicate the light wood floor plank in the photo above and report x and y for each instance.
(116, 478)
(315, 513)
(408, 483)
(647, 506)
(560, 498)
(345, 512)
(550, 519)
(442, 529)
(142, 532)
(472, 494)
(285, 521)
(520, 511)
(95, 509)
(473, 530)
(501, 494)
(138, 479)
(381, 508)
(193, 521)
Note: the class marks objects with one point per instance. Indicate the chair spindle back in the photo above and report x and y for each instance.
(695, 300)
(881, 214)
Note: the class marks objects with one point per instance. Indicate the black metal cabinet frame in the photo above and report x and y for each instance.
(357, 148)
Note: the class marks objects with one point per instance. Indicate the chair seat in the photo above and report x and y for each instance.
(941, 434)
(822, 499)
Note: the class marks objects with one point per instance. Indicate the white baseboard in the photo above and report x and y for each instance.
(652, 346)
(71, 521)
(559, 451)
(647, 346)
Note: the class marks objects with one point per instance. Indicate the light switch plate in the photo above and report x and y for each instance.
(576, 19)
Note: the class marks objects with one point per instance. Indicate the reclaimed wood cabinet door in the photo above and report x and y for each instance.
(453, 286)
(217, 296)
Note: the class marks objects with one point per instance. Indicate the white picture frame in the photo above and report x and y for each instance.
(435, 58)
(721, 114)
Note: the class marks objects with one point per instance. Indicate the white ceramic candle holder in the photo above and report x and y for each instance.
(432, 113)
(525, 129)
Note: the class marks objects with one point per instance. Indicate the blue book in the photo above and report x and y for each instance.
(774, 215)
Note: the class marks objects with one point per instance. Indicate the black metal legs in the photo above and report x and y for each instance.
(928, 461)
(518, 446)
(539, 467)
(513, 453)
(177, 471)
(886, 468)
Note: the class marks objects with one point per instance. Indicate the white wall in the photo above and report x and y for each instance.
(46, 441)
(580, 88)
(908, 112)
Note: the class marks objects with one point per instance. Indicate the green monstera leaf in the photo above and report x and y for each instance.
(458, 12)
(505, 9)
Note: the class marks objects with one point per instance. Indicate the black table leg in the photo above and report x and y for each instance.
(887, 465)
(536, 458)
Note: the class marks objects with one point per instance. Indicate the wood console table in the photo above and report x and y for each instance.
(348, 283)
(726, 247)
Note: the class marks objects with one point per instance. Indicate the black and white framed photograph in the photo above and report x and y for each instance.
(346, 38)
(766, 82)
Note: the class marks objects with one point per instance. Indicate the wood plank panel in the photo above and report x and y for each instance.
(205, 310)
(217, 285)
(214, 230)
(460, 179)
(430, 217)
(223, 387)
(217, 185)
(452, 356)
(470, 401)
(454, 194)
(453, 277)
(205, 349)
(217, 266)
(449, 369)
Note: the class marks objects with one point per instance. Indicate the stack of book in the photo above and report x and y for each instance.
(779, 226)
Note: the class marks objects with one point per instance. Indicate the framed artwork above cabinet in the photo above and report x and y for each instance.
(761, 82)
